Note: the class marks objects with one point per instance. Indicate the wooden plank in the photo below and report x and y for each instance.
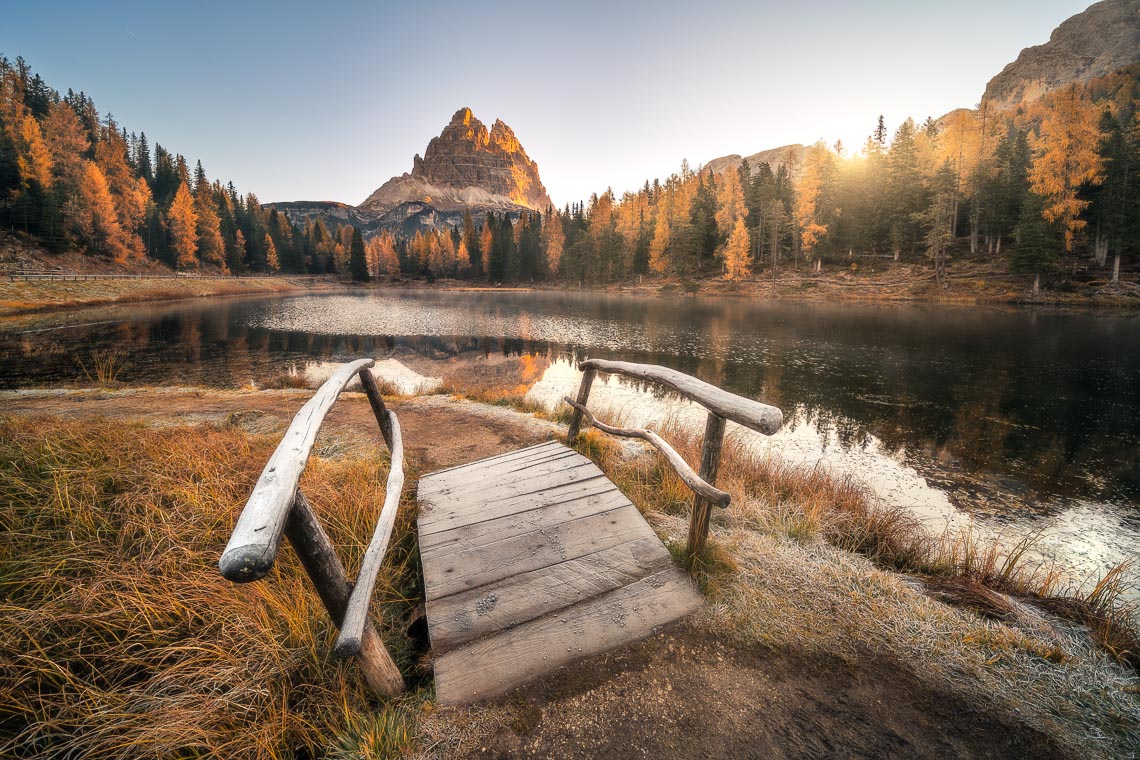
(443, 505)
(751, 414)
(253, 544)
(469, 615)
(710, 466)
(542, 476)
(356, 613)
(496, 471)
(452, 515)
(462, 570)
(482, 462)
(437, 521)
(524, 517)
(496, 664)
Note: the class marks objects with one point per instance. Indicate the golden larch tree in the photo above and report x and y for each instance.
(486, 241)
(730, 201)
(182, 228)
(555, 240)
(271, 262)
(34, 159)
(737, 253)
(211, 246)
(816, 165)
(1064, 158)
(104, 235)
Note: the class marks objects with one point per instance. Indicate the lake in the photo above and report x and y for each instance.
(1009, 420)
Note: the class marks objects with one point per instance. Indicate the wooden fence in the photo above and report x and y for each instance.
(721, 406)
(277, 507)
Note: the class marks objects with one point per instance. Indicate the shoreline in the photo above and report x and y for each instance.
(970, 283)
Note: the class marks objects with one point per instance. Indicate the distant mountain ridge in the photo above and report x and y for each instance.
(1094, 43)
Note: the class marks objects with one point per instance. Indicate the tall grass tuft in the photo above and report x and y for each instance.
(118, 636)
(106, 366)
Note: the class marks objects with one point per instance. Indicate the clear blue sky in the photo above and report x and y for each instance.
(325, 101)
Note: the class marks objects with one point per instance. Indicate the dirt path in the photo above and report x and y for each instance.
(682, 693)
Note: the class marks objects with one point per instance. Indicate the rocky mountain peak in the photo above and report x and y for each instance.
(1094, 43)
(467, 168)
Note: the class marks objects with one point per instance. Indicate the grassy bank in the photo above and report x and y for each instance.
(26, 296)
(118, 638)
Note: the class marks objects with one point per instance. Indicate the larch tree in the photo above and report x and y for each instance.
(131, 193)
(271, 262)
(33, 160)
(211, 246)
(104, 236)
(737, 253)
(182, 228)
(730, 201)
(1065, 158)
(486, 243)
(811, 198)
(67, 143)
(554, 239)
(659, 246)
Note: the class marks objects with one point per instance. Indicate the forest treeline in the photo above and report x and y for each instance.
(1051, 180)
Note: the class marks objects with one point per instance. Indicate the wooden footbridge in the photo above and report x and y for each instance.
(531, 559)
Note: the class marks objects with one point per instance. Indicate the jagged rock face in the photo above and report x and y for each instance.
(467, 167)
(1101, 40)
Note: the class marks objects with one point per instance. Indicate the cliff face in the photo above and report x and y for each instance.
(467, 168)
(1097, 42)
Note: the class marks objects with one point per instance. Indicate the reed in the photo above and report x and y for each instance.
(120, 639)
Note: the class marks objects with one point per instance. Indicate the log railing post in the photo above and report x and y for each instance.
(583, 397)
(325, 570)
(372, 390)
(710, 465)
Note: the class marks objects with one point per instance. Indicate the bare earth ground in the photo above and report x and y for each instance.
(681, 693)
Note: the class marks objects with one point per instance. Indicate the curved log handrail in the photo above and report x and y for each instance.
(694, 481)
(751, 414)
(252, 548)
(356, 613)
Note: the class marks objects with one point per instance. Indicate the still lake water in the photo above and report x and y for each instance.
(1006, 420)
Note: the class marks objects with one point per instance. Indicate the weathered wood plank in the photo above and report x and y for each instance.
(253, 544)
(468, 615)
(709, 492)
(501, 457)
(751, 414)
(523, 517)
(564, 471)
(462, 570)
(495, 664)
(434, 520)
(496, 472)
(583, 397)
(356, 614)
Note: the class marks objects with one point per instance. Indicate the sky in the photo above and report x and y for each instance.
(326, 100)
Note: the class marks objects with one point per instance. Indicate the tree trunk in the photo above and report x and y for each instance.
(998, 251)
(1116, 267)
(1036, 284)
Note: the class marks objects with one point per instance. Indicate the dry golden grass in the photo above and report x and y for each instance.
(807, 504)
(121, 640)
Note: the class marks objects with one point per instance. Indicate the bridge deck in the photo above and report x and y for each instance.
(531, 560)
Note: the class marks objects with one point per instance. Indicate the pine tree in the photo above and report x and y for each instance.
(1114, 202)
(181, 227)
(938, 219)
(1037, 246)
(357, 264)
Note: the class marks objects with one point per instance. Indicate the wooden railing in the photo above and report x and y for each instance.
(277, 507)
(721, 406)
